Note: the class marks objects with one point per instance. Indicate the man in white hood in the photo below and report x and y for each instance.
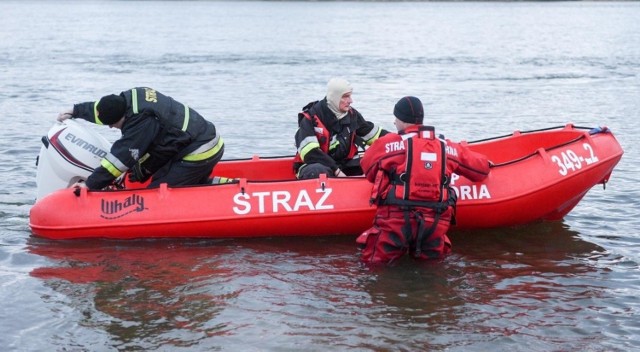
(329, 134)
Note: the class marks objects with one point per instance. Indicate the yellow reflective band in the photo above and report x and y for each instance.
(373, 139)
(307, 148)
(186, 118)
(144, 158)
(95, 113)
(134, 100)
(111, 168)
(207, 154)
(334, 145)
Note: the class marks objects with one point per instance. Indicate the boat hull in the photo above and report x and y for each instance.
(546, 185)
(538, 176)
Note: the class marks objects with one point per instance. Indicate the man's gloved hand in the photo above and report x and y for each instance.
(600, 129)
(118, 183)
(79, 184)
(339, 173)
(65, 115)
(139, 173)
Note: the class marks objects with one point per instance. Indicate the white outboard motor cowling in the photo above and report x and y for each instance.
(70, 152)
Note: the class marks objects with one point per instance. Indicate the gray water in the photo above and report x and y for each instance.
(482, 69)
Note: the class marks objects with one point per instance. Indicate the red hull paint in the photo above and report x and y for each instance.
(540, 175)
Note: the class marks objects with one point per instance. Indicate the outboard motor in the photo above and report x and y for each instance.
(70, 152)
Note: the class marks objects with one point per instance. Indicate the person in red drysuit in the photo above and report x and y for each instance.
(410, 172)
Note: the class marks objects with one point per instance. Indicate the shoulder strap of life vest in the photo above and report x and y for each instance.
(305, 112)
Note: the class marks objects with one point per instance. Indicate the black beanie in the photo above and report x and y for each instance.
(111, 109)
(409, 110)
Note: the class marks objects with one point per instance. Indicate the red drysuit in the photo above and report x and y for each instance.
(410, 172)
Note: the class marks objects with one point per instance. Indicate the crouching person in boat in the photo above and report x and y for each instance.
(161, 138)
(329, 134)
(410, 172)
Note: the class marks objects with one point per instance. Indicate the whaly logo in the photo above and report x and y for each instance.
(114, 209)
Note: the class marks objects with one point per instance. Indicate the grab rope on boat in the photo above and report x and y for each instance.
(592, 131)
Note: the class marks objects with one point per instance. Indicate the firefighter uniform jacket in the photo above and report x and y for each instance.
(156, 130)
(322, 138)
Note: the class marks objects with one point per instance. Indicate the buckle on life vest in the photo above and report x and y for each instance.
(398, 179)
(446, 180)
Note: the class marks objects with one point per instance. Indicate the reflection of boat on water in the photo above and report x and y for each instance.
(136, 289)
(110, 262)
(175, 260)
(539, 175)
(140, 291)
(544, 241)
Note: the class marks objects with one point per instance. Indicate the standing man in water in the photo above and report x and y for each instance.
(161, 139)
(329, 134)
(410, 172)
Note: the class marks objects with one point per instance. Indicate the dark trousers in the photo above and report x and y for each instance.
(350, 168)
(182, 173)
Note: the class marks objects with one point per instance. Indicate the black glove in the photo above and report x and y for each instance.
(139, 173)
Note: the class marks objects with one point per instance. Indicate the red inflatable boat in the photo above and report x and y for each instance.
(538, 175)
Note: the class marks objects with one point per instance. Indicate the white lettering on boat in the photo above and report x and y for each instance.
(281, 201)
(570, 161)
(470, 192)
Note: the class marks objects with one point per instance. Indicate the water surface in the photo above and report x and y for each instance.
(482, 69)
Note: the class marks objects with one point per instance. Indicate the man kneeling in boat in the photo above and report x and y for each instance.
(410, 172)
(160, 137)
(329, 133)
